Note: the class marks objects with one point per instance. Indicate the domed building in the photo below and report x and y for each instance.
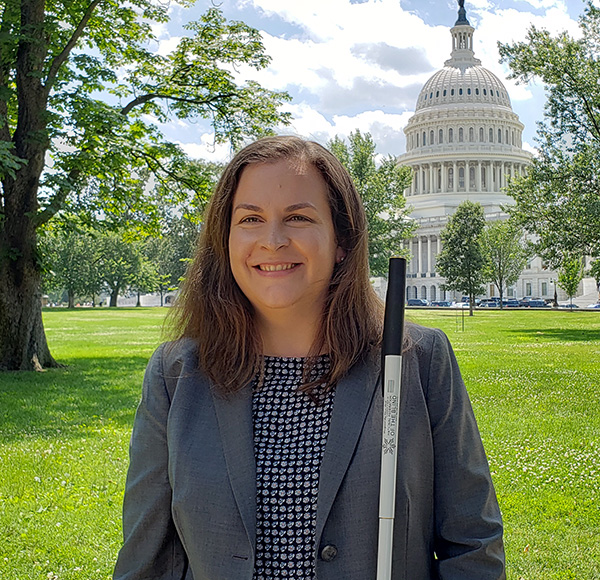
(463, 143)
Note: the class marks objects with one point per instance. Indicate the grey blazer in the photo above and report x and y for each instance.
(190, 508)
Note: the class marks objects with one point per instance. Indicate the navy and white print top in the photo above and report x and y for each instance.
(290, 432)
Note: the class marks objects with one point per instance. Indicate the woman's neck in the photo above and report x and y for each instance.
(288, 336)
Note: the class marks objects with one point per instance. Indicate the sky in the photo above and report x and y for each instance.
(360, 64)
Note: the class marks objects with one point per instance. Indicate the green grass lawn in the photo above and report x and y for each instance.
(534, 379)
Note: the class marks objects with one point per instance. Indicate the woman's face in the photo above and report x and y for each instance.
(282, 244)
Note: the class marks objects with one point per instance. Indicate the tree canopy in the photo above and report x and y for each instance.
(82, 95)
(381, 188)
(559, 199)
(461, 261)
(504, 253)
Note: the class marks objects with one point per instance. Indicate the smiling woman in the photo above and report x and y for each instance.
(256, 448)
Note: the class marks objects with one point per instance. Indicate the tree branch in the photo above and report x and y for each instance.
(60, 59)
(151, 96)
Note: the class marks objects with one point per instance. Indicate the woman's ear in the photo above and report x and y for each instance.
(340, 255)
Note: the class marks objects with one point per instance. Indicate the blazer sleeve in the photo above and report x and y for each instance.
(468, 525)
(151, 548)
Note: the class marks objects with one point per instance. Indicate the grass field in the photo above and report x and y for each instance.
(534, 379)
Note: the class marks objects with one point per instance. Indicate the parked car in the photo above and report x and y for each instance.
(537, 304)
(567, 305)
(511, 303)
(489, 303)
(596, 306)
(417, 302)
(442, 303)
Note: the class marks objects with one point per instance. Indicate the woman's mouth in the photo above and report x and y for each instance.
(275, 267)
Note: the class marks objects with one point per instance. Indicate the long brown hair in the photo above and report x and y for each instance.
(213, 311)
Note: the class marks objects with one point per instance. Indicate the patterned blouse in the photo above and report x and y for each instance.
(290, 432)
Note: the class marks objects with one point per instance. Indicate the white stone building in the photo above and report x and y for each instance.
(463, 142)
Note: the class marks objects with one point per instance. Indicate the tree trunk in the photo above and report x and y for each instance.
(71, 298)
(113, 297)
(23, 343)
(138, 303)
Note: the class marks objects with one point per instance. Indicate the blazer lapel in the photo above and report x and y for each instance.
(234, 416)
(353, 397)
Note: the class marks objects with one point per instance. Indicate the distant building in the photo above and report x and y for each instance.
(462, 143)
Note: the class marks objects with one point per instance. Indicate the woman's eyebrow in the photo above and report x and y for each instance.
(301, 205)
(248, 206)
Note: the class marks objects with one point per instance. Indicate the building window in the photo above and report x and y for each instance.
(468, 91)
(452, 92)
(491, 135)
(424, 139)
(460, 91)
(499, 135)
(445, 92)
(431, 137)
(417, 181)
(437, 94)
(439, 180)
(483, 178)
(528, 289)
(485, 92)
(450, 135)
(544, 288)
(460, 135)
(481, 134)
(451, 178)
(471, 177)
(440, 136)
(471, 135)
(506, 140)
(461, 177)
(417, 139)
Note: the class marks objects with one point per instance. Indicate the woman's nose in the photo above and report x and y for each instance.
(275, 237)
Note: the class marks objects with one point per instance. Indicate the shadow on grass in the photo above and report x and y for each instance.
(88, 394)
(560, 334)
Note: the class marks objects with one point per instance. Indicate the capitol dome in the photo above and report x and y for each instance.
(463, 79)
(463, 84)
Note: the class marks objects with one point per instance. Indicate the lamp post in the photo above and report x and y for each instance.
(555, 301)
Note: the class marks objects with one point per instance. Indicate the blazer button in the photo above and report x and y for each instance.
(328, 553)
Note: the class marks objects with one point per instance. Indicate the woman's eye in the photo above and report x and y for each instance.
(249, 220)
(299, 218)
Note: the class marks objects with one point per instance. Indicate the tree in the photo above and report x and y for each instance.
(78, 87)
(559, 198)
(461, 261)
(569, 276)
(119, 264)
(381, 189)
(70, 264)
(504, 253)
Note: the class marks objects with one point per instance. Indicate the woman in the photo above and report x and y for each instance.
(256, 447)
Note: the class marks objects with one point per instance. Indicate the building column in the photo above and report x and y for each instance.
(467, 177)
(444, 178)
(455, 174)
(419, 255)
(429, 270)
(478, 176)
(502, 180)
(431, 179)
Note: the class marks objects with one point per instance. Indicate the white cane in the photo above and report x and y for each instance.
(391, 362)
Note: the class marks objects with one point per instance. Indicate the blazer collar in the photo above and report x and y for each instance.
(234, 415)
(353, 397)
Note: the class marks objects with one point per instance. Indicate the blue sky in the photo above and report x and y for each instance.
(360, 64)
